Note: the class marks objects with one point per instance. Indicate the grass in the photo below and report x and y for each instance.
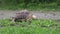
(36, 27)
(44, 7)
(32, 6)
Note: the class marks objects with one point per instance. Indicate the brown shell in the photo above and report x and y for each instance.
(23, 15)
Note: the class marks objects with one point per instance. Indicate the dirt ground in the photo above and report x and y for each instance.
(40, 15)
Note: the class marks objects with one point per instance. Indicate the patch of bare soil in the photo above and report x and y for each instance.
(40, 15)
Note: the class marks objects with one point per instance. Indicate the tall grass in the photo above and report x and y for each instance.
(32, 6)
